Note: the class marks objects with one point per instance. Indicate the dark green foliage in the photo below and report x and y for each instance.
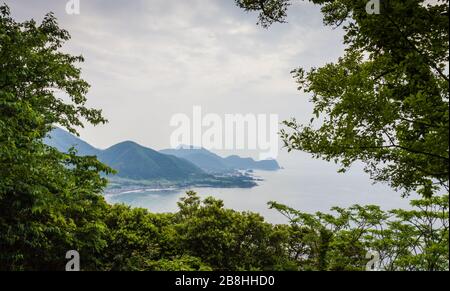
(407, 240)
(203, 235)
(271, 10)
(49, 202)
(226, 239)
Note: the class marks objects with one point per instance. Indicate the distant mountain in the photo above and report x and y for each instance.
(202, 158)
(63, 141)
(136, 162)
(132, 161)
(210, 162)
(237, 162)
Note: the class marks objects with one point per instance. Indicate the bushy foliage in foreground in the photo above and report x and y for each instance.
(203, 235)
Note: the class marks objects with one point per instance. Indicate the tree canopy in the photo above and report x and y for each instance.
(385, 102)
(49, 202)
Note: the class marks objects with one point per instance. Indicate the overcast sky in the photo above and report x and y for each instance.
(147, 60)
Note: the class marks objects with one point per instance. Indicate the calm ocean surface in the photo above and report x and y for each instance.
(306, 188)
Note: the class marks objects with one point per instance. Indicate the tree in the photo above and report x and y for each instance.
(202, 235)
(406, 240)
(226, 239)
(50, 202)
(386, 101)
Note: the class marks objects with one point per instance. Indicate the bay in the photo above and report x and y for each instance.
(304, 187)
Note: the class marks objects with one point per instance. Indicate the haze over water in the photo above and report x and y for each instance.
(304, 184)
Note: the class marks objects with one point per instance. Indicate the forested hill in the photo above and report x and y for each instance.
(131, 160)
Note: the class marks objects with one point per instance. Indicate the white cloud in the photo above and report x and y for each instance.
(147, 60)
